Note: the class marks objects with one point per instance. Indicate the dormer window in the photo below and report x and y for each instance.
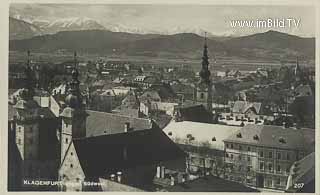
(256, 137)
(282, 140)
(214, 139)
(170, 133)
(239, 135)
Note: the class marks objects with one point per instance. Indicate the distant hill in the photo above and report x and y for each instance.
(19, 29)
(271, 44)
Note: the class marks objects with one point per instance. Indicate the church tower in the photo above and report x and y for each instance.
(74, 115)
(27, 125)
(204, 87)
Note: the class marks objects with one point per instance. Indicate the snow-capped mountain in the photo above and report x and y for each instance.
(68, 24)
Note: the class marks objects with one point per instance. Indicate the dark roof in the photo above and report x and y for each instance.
(104, 154)
(269, 136)
(195, 113)
(102, 123)
(210, 184)
(46, 113)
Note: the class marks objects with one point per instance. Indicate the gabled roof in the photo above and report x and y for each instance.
(244, 106)
(274, 136)
(103, 155)
(102, 123)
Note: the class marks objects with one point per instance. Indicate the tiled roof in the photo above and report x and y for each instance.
(202, 132)
(103, 155)
(102, 123)
(274, 136)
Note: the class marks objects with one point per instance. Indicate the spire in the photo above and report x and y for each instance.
(74, 99)
(205, 73)
(28, 91)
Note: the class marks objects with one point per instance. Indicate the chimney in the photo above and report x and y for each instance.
(284, 125)
(119, 176)
(112, 177)
(162, 171)
(158, 175)
(126, 127)
(172, 180)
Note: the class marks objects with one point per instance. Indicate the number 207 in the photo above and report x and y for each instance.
(298, 185)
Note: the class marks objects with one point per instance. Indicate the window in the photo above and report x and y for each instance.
(278, 168)
(231, 146)
(240, 147)
(19, 141)
(248, 158)
(201, 95)
(231, 156)
(261, 154)
(71, 165)
(278, 155)
(227, 145)
(19, 129)
(249, 149)
(288, 156)
(270, 154)
(66, 124)
(248, 168)
(261, 166)
(270, 167)
(71, 153)
(278, 182)
(67, 140)
(227, 155)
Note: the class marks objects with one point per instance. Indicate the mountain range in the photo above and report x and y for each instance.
(87, 35)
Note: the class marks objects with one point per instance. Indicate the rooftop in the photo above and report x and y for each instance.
(274, 136)
(202, 132)
(102, 123)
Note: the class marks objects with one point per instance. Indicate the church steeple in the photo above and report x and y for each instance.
(204, 88)
(27, 92)
(297, 71)
(205, 73)
(74, 99)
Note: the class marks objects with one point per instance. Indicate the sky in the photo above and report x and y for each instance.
(173, 18)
